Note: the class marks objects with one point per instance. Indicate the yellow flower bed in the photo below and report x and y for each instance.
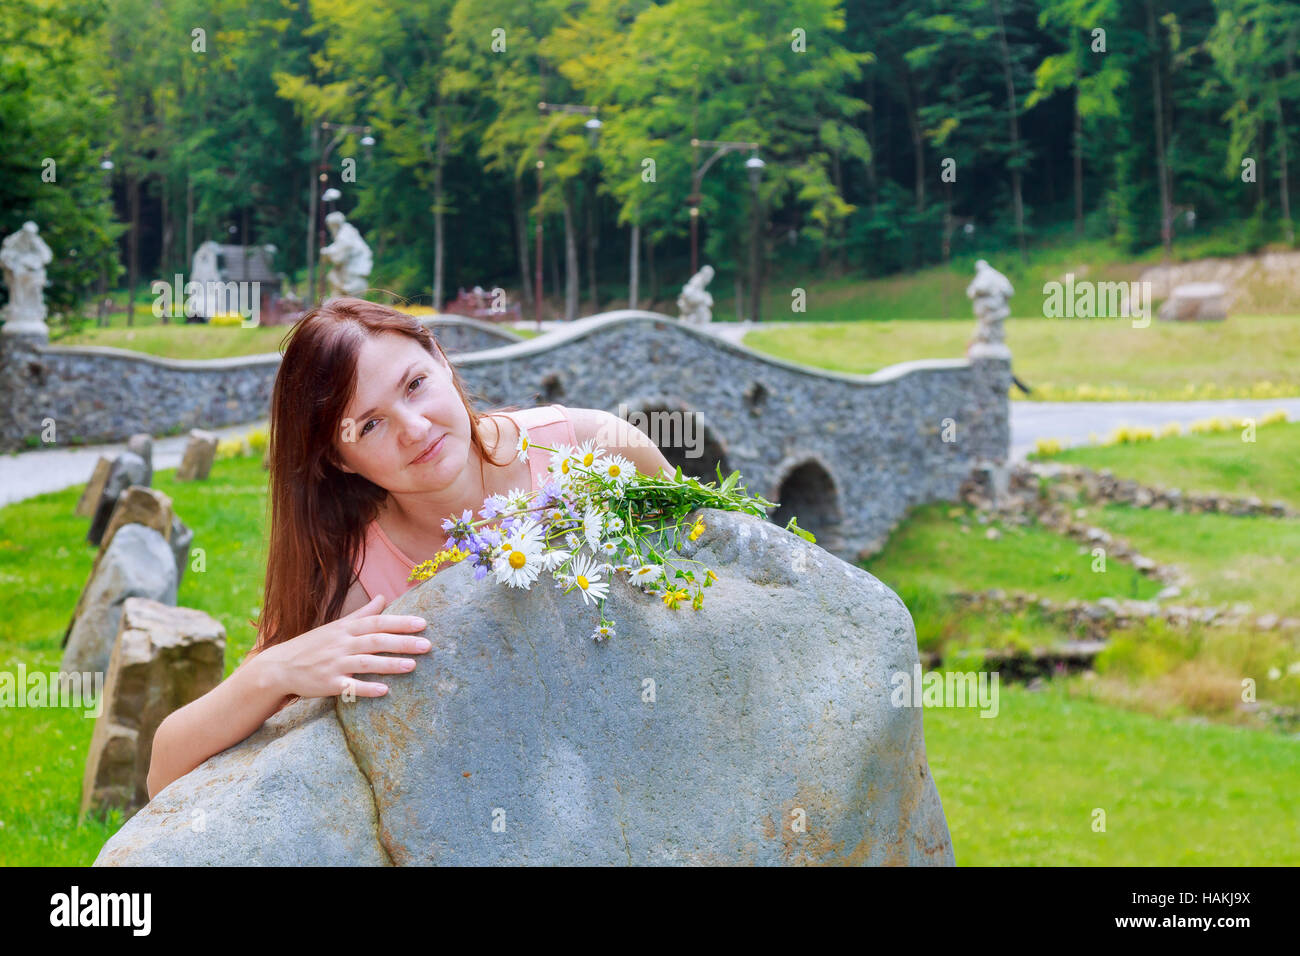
(253, 442)
(1136, 434)
(1050, 392)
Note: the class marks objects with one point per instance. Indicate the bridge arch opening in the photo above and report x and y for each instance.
(683, 436)
(808, 492)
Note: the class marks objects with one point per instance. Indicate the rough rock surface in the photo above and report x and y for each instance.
(766, 737)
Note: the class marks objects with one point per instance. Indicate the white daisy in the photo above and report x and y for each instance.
(603, 632)
(614, 525)
(592, 523)
(585, 576)
(520, 561)
(560, 460)
(617, 469)
(522, 445)
(646, 573)
(587, 454)
(571, 540)
(555, 558)
(609, 549)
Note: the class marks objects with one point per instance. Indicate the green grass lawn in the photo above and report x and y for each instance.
(1065, 359)
(1019, 789)
(1222, 462)
(193, 341)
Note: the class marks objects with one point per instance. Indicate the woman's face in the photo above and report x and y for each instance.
(404, 401)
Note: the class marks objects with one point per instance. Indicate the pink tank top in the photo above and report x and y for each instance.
(383, 569)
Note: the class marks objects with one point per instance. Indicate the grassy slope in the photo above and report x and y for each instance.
(1065, 353)
(1266, 467)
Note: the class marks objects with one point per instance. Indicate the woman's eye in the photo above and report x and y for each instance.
(418, 378)
(366, 427)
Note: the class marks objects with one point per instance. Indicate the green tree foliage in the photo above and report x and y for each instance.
(1130, 118)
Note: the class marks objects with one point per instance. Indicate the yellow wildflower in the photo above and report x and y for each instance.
(697, 530)
(673, 597)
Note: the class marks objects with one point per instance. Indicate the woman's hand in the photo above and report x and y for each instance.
(321, 662)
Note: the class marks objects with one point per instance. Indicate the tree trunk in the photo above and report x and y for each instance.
(1013, 114)
(133, 246)
(555, 269)
(1282, 162)
(189, 223)
(634, 266)
(165, 254)
(439, 247)
(1078, 158)
(591, 249)
(521, 234)
(571, 277)
(654, 276)
(755, 260)
(1162, 161)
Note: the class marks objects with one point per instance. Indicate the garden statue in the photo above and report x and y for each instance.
(989, 292)
(349, 256)
(695, 303)
(24, 256)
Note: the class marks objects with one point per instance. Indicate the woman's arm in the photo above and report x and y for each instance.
(221, 718)
(261, 685)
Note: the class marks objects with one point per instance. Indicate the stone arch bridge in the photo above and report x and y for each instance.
(847, 454)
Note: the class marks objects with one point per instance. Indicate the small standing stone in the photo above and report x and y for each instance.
(94, 488)
(142, 444)
(137, 563)
(128, 469)
(140, 505)
(196, 464)
(163, 658)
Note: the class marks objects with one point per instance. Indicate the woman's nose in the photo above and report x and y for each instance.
(415, 427)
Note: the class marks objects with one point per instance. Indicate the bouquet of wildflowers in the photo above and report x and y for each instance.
(588, 523)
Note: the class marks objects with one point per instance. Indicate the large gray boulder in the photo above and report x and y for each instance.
(756, 730)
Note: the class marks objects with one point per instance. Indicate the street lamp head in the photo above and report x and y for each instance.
(367, 140)
(755, 167)
(106, 165)
(331, 195)
(593, 124)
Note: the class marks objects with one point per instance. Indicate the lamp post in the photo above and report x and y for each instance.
(693, 200)
(106, 165)
(755, 167)
(340, 130)
(593, 126)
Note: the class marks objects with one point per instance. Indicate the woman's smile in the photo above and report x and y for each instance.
(431, 452)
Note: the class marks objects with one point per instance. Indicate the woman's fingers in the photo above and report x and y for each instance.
(374, 664)
(352, 687)
(386, 622)
(381, 642)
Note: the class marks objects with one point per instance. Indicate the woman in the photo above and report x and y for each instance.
(374, 441)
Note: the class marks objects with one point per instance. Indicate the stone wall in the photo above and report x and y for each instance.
(98, 394)
(847, 454)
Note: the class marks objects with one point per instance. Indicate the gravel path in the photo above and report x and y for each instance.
(40, 470)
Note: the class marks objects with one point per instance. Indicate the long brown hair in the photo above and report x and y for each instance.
(318, 511)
